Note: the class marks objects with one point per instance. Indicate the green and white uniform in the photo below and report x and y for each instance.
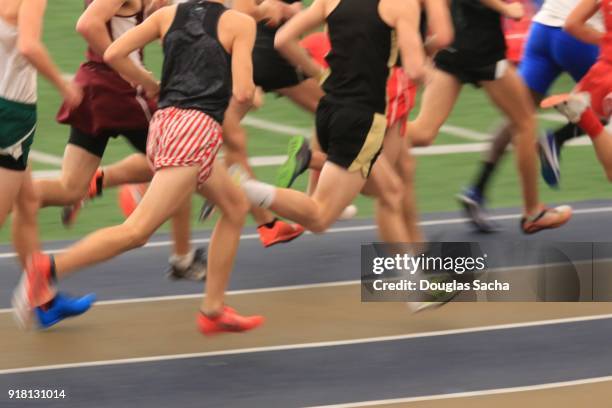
(17, 101)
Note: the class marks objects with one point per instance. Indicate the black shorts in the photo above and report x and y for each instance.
(351, 136)
(271, 71)
(465, 69)
(96, 145)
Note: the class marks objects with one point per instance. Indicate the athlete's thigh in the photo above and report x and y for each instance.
(10, 184)
(306, 94)
(220, 189)
(78, 167)
(394, 143)
(511, 96)
(437, 103)
(575, 56)
(167, 192)
(382, 179)
(336, 189)
(538, 67)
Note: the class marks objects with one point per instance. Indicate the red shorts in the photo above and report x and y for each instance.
(598, 83)
(110, 104)
(401, 95)
(183, 138)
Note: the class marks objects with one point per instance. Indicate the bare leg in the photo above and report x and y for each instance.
(513, 99)
(181, 229)
(235, 139)
(169, 189)
(25, 225)
(225, 239)
(386, 185)
(397, 149)
(438, 100)
(10, 185)
(78, 167)
(318, 212)
(133, 169)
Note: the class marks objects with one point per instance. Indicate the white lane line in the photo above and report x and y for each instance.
(296, 346)
(553, 117)
(465, 133)
(448, 221)
(469, 394)
(231, 292)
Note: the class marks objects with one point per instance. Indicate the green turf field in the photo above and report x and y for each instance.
(439, 178)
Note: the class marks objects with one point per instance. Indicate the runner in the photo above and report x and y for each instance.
(112, 107)
(207, 57)
(549, 52)
(591, 100)
(350, 118)
(22, 57)
(477, 56)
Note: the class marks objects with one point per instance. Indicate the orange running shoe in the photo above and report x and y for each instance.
(70, 212)
(229, 321)
(548, 218)
(35, 288)
(278, 233)
(130, 195)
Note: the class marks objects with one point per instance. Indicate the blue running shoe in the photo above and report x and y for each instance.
(473, 205)
(549, 159)
(62, 308)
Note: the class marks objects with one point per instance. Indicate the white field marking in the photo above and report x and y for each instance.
(465, 133)
(430, 223)
(45, 158)
(312, 345)
(229, 293)
(470, 394)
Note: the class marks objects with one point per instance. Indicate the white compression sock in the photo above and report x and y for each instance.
(259, 194)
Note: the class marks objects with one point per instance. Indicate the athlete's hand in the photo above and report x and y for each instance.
(72, 94)
(515, 10)
(151, 90)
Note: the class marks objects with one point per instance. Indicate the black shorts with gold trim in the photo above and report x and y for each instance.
(352, 136)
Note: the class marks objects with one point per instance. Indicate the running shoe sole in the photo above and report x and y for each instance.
(298, 158)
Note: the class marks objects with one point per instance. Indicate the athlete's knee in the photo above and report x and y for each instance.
(236, 208)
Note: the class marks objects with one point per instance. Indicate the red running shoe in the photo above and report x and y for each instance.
(278, 233)
(70, 212)
(34, 289)
(130, 195)
(229, 321)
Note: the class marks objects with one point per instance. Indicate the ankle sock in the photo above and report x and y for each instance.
(259, 194)
(182, 261)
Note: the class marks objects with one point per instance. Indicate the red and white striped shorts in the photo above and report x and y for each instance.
(183, 138)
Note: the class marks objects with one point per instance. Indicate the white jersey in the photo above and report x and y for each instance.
(554, 13)
(17, 75)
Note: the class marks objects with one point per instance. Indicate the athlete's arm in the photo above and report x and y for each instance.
(92, 23)
(576, 23)
(117, 55)
(514, 10)
(404, 17)
(440, 25)
(244, 30)
(29, 44)
(287, 38)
